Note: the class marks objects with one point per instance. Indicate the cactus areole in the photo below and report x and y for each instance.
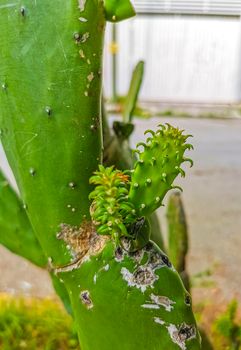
(90, 222)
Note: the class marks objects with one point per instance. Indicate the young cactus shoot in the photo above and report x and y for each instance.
(121, 201)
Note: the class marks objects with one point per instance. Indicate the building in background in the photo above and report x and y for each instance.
(191, 48)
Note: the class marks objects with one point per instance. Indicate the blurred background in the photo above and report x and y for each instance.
(192, 79)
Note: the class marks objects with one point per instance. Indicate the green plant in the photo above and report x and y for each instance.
(227, 331)
(34, 324)
(123, 290)
(178, 235)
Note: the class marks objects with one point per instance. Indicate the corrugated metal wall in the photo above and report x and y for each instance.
(188, 59)
(207, 7)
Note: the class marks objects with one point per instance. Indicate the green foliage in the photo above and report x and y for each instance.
(116, 10)
(16, 233)
(34, 324)
(111, 211)
(134, 89)
(227, 327)
(157, 167)
(177, 235)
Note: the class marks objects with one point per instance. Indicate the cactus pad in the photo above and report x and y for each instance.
(157, 167)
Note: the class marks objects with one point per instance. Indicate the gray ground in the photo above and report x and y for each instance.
(212, 198)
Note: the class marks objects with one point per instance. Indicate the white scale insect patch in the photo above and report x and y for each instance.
(82, 5)
(180, 335)
(142, 278)
(159, 321)
(163, 301)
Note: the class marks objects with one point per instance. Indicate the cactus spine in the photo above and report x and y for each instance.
(51, 131)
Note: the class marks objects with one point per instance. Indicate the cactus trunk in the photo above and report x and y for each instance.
(50, 109)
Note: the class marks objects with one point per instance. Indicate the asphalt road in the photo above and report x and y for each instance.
(212, 198)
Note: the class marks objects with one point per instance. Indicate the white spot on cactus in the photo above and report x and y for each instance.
(150, 306)
(82, 19)
(82, 5)
(158, 199)
(85, 37)
(159, 321)
(181, 334)
(86, 93)
(32, 171)
(163, 301)
(106, 267)
(73, 210)
(72, 185)
(90, 77)
(142, 278)
(95, 278)
(81, 53)
(143, 206)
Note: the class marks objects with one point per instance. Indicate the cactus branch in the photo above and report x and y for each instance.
(16, 233)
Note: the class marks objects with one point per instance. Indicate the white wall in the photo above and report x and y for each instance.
(188, 59)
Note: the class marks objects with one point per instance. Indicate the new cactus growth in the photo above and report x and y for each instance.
(124, 291)
(111, 210)
(157, 167)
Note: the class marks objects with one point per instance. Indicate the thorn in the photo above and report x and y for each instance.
(149, 140)
(168, 125)
(163, 162)
(32, 171)
(142, 144)
(187, 136)
(165, 146)
(176, 187)
(182, 172)
(48, 110)
(22, 11)
(136, 151)
(188, 146)
(72, 185)
(149, 131)
(153, 161)
(162, 127)
(164, 177)
(189, 160)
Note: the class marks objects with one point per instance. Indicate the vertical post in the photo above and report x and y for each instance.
(114, 51)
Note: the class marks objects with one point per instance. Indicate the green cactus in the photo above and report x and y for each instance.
(158, 166)
(16, 233)
(134, 89)
(177, 235)
(124, 293)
